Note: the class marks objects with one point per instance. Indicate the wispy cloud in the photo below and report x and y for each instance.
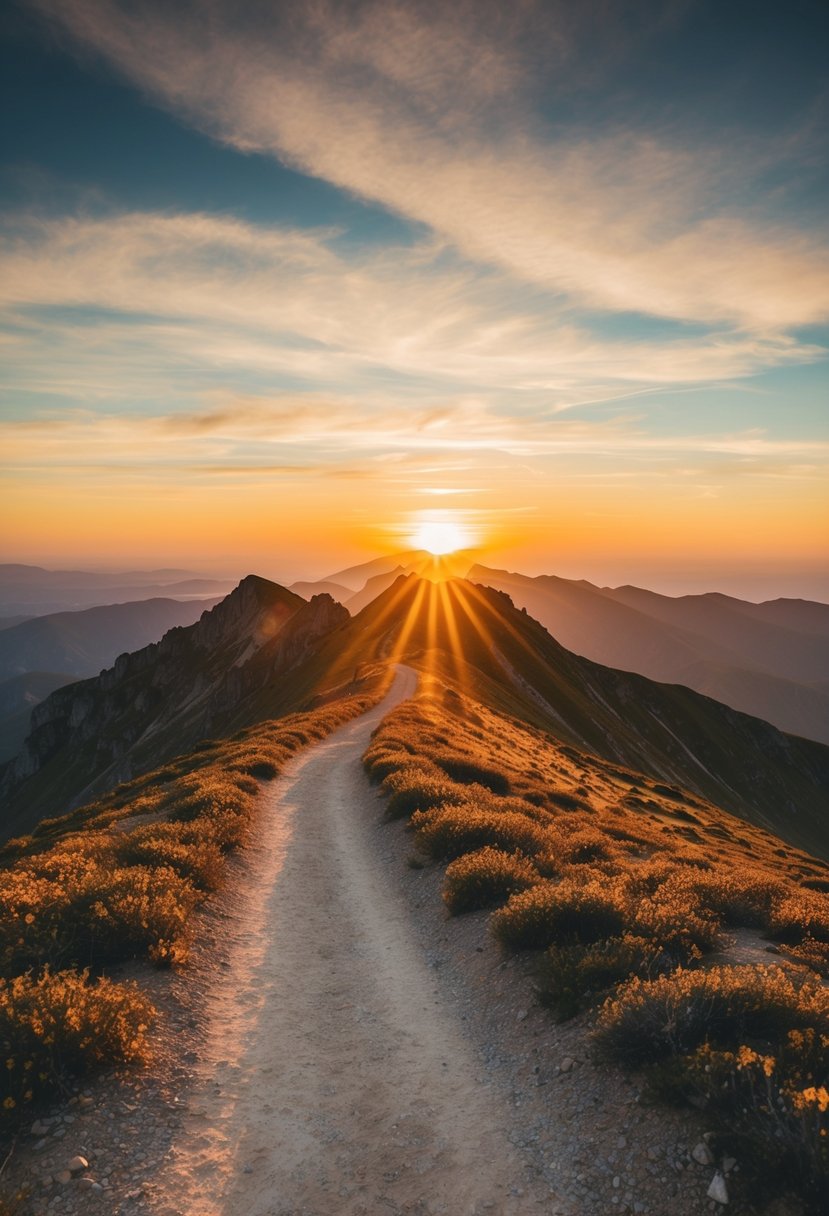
(428, 111)
(104, 308)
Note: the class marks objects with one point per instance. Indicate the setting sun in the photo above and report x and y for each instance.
(439, 537)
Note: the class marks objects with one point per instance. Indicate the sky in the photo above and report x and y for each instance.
(282, 282)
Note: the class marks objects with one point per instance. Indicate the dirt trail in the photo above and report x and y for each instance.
(336, 1080)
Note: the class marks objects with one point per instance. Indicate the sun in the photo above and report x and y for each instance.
(439, 537)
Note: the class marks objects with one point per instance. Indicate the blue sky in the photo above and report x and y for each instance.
(566, 262)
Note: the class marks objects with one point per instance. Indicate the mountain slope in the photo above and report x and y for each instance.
(227, 671)
(786, 649)
(337, 591)
(34, 591)
(18, 697)
(478, 639)
(160, 700)
(83, 643)
(742, 653)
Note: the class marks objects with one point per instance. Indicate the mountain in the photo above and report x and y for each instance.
(6, 622)
(355, 577)
(410, 561)
(263, 652)
(34, 591)
(337, 591)
(18, 697)
(161, 699)
(83, 643)
(374, 586)
(764, 659)
(781, 647)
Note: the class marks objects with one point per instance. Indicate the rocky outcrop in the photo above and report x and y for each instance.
(155, 702)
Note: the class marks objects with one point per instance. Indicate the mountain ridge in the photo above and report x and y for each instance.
(264, 651)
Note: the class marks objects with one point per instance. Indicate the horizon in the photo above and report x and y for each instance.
(285, 288)
(758, 588)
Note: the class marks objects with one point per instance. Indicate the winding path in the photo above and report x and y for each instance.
(336, 1081)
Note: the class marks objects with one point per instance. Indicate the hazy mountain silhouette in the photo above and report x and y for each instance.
(34, 591)
(764, 659)
(83, 643)
(410, 561)
(18, 697)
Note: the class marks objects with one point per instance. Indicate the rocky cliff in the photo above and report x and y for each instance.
(156, 702)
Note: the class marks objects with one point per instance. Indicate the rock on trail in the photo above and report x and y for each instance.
(336, 1079)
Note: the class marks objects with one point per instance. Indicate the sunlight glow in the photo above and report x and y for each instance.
(439, 537)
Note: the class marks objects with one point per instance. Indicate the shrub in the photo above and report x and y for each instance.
(94, 914)
(814, 955)
(412, 790)
(724, 1006)
(461, 829)
(573, 976)
(749, 1044)
(179, 846)
(739, 899)
(775, 1106)
(486, 878)
(57, 1025)
(682, 932)
(568, 912)
(801, 915)
(471, 773)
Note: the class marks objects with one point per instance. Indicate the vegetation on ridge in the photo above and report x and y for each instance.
(624, 887)
(117, 880)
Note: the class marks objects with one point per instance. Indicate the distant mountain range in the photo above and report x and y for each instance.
(18, 697)
(79, 644)
(766, 659)
(770, 660)
(264, 651)
(44, 653)
(27, 591)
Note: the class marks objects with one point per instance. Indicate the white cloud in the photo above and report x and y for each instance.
(182, 299)
(426, 110)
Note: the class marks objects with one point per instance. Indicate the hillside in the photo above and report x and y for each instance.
(83, 643)
(18, 697)
(763, 659)
(163, 699)
(35, 591)
(158, 701)
(616, 826)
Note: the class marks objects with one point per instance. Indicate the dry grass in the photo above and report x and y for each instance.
(624, 886)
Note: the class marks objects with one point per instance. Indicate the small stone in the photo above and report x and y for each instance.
(77, 1164)
(63, 1176)
(702, 1154)
(718, 1190)
(622, 1142)
(39, 1128)
(521, 1015)
(617, 1182)
(566, 1064)
(728, 1164)
(88, 1183)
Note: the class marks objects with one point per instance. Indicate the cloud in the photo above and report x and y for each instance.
(430, 111)
(124, 306)
(322, 436)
